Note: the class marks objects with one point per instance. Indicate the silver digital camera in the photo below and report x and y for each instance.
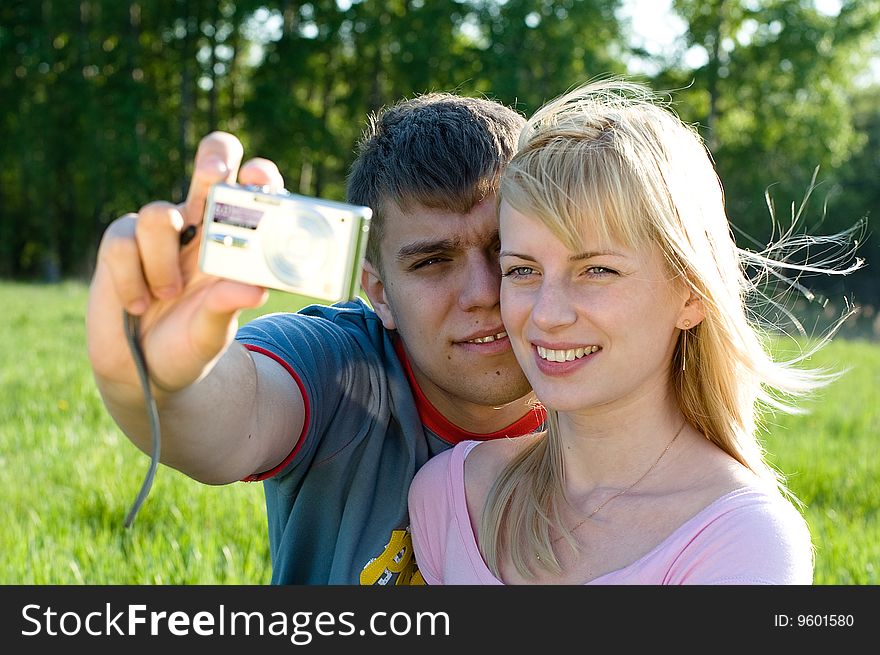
(308, 246)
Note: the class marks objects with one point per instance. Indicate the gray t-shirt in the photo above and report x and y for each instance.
(337, 506)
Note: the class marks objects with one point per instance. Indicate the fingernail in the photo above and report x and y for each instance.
(213, 164)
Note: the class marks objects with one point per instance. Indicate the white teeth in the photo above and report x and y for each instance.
(565, 355)
(489, 339)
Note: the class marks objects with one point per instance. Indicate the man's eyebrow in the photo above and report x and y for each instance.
(426, 247)
(432, 246)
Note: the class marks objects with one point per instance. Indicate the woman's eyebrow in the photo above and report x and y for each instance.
(595, 253)
(508, 253)
(576, 257)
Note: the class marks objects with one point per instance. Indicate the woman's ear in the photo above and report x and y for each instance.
(692, 313)
(374, 287)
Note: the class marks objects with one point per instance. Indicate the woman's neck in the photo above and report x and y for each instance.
(612, 447)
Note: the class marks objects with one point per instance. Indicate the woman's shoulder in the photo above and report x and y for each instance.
(469, 462)
(443, 469)
(485, 463)
(434, 471)
(763, 509)
(487, 459)
(704, 474)
(752, 535)
(435, 486)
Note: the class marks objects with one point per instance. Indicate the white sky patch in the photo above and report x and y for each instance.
(828, 7)
(658, 30)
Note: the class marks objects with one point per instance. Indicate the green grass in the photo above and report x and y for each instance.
(68, 476)
(830, 457)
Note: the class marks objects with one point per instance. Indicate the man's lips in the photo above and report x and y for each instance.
(486, 338)
(486, 343)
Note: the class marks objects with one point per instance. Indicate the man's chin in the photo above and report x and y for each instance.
(500, 391)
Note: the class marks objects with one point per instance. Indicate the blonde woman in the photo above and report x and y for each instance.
(625, 300)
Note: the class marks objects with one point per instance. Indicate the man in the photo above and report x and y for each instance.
(334, 408)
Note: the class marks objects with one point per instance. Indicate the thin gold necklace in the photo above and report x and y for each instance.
(620, 493)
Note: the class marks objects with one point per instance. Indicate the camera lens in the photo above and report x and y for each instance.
(297, 247)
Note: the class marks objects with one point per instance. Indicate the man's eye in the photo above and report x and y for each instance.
(430, 261)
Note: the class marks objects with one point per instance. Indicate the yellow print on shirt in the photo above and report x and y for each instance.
(396, 565)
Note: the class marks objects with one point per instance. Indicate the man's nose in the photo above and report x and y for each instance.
(480, 284)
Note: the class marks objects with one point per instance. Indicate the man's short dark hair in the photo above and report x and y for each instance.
(437, 150)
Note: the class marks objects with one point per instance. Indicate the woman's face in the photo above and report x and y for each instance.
(590, 329)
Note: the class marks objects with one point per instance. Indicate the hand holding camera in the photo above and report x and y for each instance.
(187, 318)
(251, 235)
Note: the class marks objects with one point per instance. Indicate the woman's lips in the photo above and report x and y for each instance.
(562, 361)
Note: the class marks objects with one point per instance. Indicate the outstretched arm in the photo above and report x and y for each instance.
(225, 412)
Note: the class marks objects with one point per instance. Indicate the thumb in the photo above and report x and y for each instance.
(215, 322)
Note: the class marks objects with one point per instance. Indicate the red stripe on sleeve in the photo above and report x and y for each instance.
(256, 477)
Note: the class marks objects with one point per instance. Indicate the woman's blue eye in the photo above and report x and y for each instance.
(519, 271)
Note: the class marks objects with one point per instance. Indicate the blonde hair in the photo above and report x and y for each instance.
(611, 155)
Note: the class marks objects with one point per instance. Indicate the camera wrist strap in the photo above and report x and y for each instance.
(131, 325)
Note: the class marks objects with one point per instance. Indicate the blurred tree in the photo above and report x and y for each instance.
(533, 51)
(21, 96)
(329, 64)
(774, 100)
(295, 88)
(102, 102)
(857, 193)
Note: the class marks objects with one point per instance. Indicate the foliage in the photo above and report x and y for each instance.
(102, 103)
(775, 100)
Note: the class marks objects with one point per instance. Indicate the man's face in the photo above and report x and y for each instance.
(439, 289)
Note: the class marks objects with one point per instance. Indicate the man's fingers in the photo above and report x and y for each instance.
(261, 172)
(118, 254)
(158, 238)
(217, 160)
(212, 327)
